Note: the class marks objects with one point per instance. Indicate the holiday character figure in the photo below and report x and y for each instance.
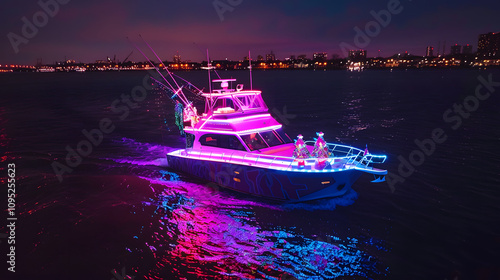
(320, 149)
(179, 116)
(301, 152)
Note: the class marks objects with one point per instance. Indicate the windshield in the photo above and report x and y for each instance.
(257, 141)
(254, 141)
(284, 136)
(271, 138)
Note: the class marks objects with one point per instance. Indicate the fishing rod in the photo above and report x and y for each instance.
(200, 91)
(164, 66)
(177, 92)
(152, 64)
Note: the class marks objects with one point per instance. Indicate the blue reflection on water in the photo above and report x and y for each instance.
(169, 176)
(216, 234)
(306, 258)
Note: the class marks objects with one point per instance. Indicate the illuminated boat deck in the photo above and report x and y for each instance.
(353, 159)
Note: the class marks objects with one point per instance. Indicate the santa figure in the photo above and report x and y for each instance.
(320, 149)
(301, 152)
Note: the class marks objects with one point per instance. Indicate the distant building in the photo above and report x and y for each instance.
(177, 58)
(488, 45)
(292, 57)
(357, 54)
(270, 56)
(302, 57)
(467, 49)
(455, 49)
(429, 51)
(320, 56)
(260, 58)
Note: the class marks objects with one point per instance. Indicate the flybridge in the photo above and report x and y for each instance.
(227, 100)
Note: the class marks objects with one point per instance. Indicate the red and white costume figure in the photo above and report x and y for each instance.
(320, 149)
(301, 152)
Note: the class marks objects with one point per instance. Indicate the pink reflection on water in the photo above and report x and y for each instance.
(218, 229)
(204, 233)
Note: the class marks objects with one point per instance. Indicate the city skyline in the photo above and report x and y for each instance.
(59, 29)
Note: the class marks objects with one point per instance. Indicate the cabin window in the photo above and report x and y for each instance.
(254, 141)
(222, 141)
(234, 143)
(271, 138)
(209, 140)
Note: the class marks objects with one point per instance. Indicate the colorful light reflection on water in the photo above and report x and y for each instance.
(197, 230)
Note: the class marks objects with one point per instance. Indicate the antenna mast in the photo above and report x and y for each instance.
(250, 67)
(209, 65)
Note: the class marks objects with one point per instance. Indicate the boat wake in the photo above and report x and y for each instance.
(143, 154)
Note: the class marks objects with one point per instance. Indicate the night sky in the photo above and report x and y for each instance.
(89, 30)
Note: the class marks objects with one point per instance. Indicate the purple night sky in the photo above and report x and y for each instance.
(89, 30)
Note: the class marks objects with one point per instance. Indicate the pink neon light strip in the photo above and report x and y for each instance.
(255, 160)
(242, 118)
(236, 132)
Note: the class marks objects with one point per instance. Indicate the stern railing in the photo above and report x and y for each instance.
(352, 155)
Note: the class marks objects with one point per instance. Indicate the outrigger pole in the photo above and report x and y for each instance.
(177, 91)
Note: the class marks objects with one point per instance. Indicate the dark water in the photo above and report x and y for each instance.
(122, 212)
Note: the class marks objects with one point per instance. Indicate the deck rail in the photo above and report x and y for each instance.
(353, 156)
(340, 155)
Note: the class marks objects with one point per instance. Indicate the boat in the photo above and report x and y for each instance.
(237, 144)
